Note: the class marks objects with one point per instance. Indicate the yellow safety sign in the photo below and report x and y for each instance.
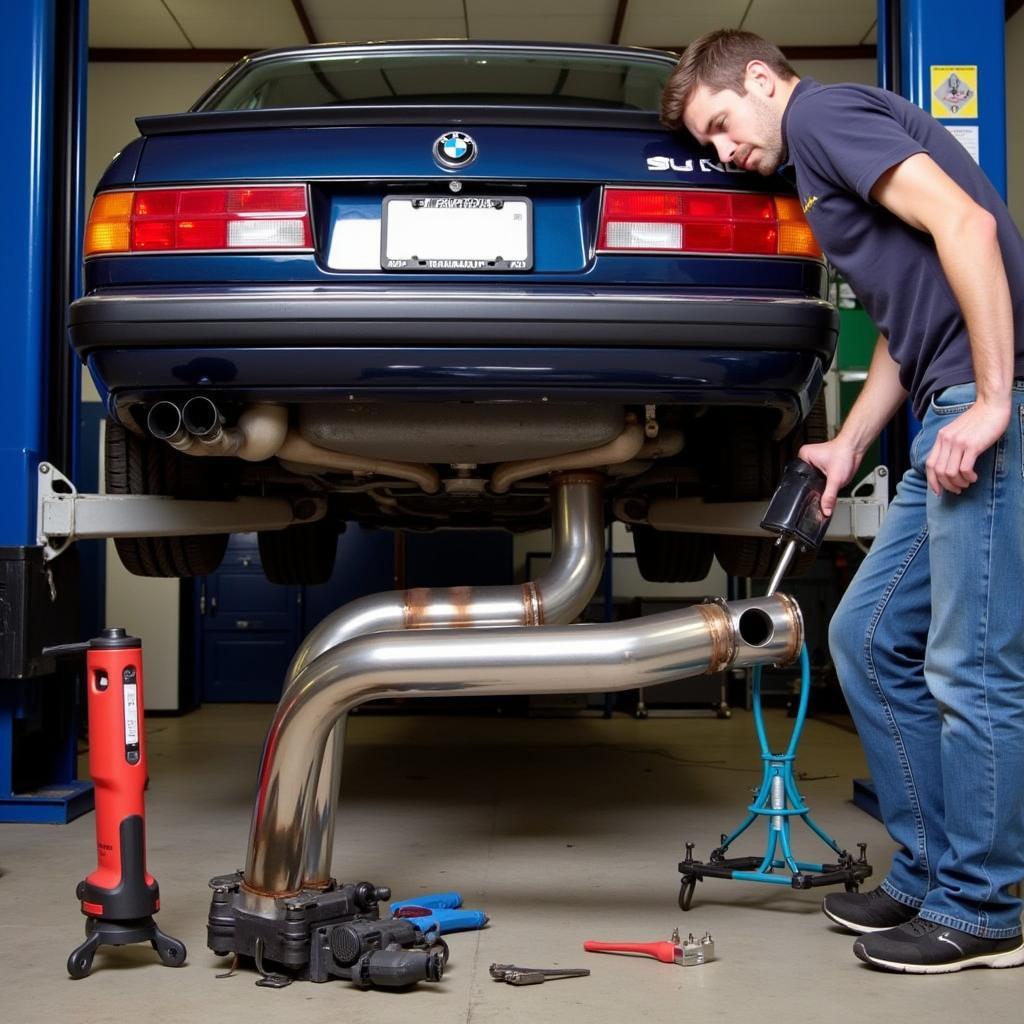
(954, 90)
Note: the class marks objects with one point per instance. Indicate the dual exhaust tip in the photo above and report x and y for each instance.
(198, 420)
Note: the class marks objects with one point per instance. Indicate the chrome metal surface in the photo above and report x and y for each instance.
(558, 596)
(435, 663)
(780, 570)
(164, 422)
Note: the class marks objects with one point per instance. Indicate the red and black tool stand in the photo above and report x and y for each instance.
(120, 897)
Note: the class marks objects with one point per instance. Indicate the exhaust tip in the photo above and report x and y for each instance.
(755, 627)
(163, 420)
(200, 416)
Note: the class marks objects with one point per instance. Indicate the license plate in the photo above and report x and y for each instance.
(457, 233)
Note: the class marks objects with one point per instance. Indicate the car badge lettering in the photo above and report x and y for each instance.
(454, 150)
(808, 203)
(668, 163)
(714, 165)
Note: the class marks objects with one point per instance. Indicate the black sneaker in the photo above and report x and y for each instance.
(864, 912)
(924, 947)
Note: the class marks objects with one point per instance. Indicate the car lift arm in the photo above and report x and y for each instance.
(63, 515)
(856, 518)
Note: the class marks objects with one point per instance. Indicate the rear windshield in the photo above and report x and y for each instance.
(532, 79)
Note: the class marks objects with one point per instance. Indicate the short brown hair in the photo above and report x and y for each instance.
(718, 60)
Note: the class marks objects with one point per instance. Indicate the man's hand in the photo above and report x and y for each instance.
(838, 461)
(950, 463)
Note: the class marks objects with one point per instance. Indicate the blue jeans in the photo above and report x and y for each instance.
(928, 643)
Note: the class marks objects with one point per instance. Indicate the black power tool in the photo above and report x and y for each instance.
(794, 514)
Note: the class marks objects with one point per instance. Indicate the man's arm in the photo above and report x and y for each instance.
(878, 400)
(920, 193)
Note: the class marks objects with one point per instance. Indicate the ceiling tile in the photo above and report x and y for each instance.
(669, 23)
(132, 24)
(239, 24)
(386, 19)
(427, 10)
(257, 24)
(584, 21)
(810, 22)
(360, 30)
(552, 29)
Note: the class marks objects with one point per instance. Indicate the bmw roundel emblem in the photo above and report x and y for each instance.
(454, 149)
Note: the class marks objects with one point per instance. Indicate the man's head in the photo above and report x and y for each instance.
(730, 90)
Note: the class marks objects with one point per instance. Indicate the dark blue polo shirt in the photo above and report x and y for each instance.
(840, 140)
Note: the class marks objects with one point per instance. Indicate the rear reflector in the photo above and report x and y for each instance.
(691, 221)
(206, 219)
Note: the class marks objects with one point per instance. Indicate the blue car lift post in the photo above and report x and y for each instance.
(42, 105)
(920, 44)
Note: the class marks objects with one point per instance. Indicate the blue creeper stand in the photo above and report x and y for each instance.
(779, 801)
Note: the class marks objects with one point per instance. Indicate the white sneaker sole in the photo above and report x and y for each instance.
(1009, 958)
(857, 929)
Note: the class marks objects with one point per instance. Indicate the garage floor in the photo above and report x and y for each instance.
(562, 830)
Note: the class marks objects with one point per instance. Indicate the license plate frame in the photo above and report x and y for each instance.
(396, 238)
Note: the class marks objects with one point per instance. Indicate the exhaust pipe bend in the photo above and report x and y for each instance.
(620, 449)
(260, 431)
(297, 449)
(557, 597)
(437, 663)
(197, 428)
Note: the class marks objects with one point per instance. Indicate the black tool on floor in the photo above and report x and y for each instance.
(120, 897)
(320, 935)
(795, 516)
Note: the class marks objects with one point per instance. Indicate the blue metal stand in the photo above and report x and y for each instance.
(43, 110)
(38, 766)
(778, 800)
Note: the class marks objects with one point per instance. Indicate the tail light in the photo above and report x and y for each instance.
(207, 219)
(698, 221)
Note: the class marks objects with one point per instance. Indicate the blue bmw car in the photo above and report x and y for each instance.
(414, 279)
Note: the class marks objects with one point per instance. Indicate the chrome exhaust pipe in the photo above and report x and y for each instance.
(557, 597)
(204, 421)
(164, 422)
(437, 663)
(262, 432)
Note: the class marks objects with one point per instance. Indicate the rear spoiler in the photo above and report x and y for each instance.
(394, 114)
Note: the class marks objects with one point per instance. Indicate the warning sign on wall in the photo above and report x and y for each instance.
(954, 90)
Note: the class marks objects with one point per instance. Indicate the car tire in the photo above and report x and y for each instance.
(139, 465)
(301, 554)
(664, 557)
(755, 465)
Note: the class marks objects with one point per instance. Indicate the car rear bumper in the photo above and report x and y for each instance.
(420, 343)
(416, 315)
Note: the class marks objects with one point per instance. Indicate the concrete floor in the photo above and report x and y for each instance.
(561, 830)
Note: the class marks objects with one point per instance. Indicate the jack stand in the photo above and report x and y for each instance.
(779, 800)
